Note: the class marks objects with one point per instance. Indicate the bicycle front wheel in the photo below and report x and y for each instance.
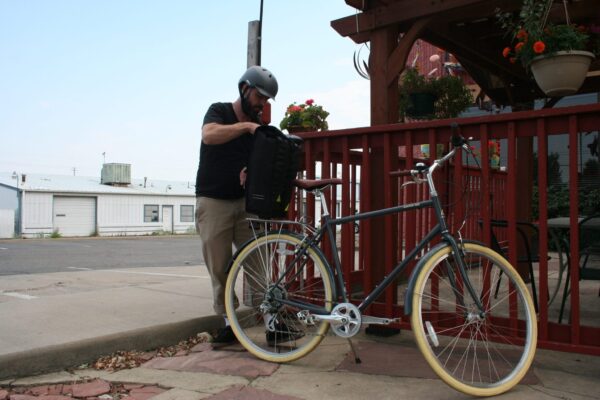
(481, 352)
(266, 323)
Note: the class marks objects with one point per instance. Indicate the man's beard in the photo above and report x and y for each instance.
(254, 113)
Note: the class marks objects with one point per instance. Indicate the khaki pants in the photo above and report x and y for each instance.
(220, 224)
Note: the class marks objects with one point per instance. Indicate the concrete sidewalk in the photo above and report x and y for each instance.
(55, 322)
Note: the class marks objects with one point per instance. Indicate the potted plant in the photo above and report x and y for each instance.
(453, 96)
(305, 117)
(417, 95)
(555, 53)
(422, 97)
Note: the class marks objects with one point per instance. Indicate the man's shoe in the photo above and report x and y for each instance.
(225, 335)
(282, 334)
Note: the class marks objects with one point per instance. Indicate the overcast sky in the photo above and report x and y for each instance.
(133, 78)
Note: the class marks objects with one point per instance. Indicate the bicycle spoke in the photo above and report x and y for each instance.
(474, 350)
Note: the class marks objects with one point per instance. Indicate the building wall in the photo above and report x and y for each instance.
(37, 214)
(124, 214)
(8, 198)
(116, 215)
(7, 223)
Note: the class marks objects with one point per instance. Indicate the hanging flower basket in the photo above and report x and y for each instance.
(422, 104)
(562, 73)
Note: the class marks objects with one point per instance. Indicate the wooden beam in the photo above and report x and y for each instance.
(397, 59)
(398, 12)
(358, 4)
(463, 46)
(384, 96)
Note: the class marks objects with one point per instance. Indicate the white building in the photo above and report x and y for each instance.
(85, 206)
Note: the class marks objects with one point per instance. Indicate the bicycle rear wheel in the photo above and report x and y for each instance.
(264, 325)
(478, 354)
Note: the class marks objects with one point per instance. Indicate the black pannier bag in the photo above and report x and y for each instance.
(274, 163)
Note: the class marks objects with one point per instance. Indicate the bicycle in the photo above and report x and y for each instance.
(455, 297)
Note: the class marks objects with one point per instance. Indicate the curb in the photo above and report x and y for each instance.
(69, 355)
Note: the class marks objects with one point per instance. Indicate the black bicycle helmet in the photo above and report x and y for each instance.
(262, 79)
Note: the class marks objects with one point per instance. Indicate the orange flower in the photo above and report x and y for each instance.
(506, 52)
(539, 47)
(519, 46)
(512, 60)
(522, 34)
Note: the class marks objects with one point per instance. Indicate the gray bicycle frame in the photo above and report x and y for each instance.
(328, 225)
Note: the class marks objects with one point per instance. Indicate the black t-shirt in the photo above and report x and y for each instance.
(219, 169)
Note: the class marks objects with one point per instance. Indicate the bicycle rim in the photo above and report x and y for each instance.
(481, 355)
(264, 326)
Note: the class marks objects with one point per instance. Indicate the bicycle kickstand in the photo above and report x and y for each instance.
(357, 359)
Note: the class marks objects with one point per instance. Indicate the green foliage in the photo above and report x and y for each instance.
(529, 37)
(55, 234)
(553, 172)
(308, 115)
(558, 201)
(451, 95)
(558, 193)
(591, 168)
(413, 82)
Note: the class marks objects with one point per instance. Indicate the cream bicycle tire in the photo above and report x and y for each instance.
(261, 258)
(481, 376)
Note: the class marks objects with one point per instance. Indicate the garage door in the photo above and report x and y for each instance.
(75, 216)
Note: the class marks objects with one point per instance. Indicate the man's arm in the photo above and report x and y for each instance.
(213, 133)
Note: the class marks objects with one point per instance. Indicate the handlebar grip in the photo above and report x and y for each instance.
(456, 139)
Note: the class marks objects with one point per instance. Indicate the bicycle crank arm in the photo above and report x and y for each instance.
(310, 319)
(368, 320)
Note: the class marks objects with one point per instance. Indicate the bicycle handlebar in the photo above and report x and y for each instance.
(457, 140)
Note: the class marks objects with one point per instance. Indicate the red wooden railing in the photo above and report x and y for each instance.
(471, 194)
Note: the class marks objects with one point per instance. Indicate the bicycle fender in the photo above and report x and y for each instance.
(413, 276)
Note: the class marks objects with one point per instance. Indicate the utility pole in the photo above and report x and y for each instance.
(255, 40)
(254, 55)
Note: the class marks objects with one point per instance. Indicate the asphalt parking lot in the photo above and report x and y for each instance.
(33, 256)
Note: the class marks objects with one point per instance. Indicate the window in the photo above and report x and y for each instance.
(151, 213)
(187, 214)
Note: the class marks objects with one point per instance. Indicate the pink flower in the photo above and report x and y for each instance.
(309, 102)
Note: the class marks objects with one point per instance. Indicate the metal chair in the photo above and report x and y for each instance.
(589, 247)
(529, 235)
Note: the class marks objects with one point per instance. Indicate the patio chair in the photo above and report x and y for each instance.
(589, 249)
(528, 234)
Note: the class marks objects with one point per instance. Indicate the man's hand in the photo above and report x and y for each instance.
(243, 176)
(252, 127)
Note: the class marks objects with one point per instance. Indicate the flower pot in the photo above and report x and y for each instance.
(495, 161)
(422, 105)
(298, 128)
(561, 73)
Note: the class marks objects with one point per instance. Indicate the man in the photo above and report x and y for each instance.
(227, 138)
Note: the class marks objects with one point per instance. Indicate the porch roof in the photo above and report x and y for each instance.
(468, 29)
